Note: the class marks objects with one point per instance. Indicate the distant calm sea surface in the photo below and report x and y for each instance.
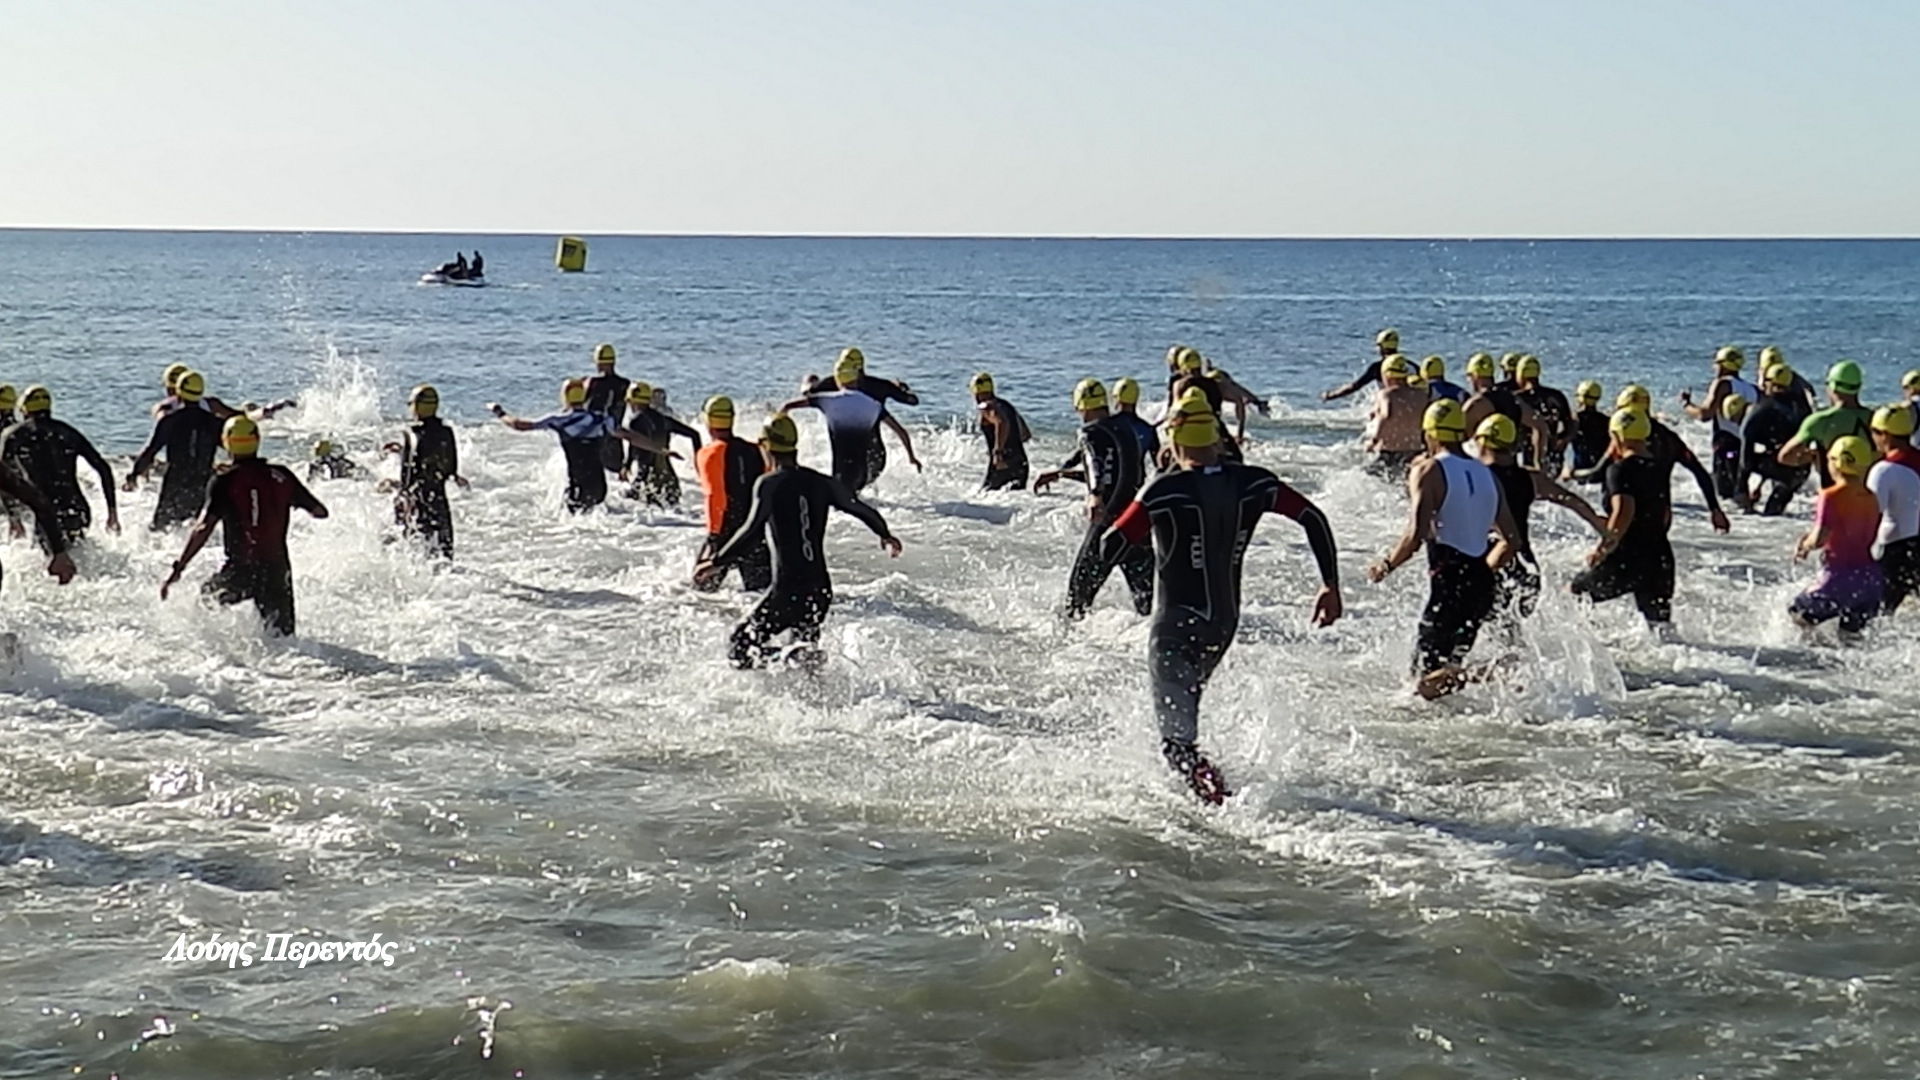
(956, 853)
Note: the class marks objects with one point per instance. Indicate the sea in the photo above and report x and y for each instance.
(518, 817)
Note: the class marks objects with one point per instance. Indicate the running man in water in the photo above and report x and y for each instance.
(1846, 519)
(190, 437)
(1434, 370)
(852, 360)
(252, 503)
(1819, 431)
(1895, 482)
(1457, 508)
(1188, 370)
(1393, 425)
(1487, 397)
(728, 468)
(1727, 441)
(1590, 437)
(1111, 461)
(607, 395)
(790, 506)
(652, 471)
(1200, 518)
(1387, 342)
(46, 451)
(580, 431)
(1634, 554)
(1006, 434)
(1517, 583)
(1126, 405)
(1551, 406)
(429, 457)
(854, 416)
(15, 489)
(1665, 447)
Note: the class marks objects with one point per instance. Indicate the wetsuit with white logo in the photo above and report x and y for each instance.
(190, 435)
(581, 432)
(1460, 586)
(1115, 465)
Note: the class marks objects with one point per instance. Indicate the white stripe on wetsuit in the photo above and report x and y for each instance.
(1472, 502)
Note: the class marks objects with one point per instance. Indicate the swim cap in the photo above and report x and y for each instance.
(639, 393)
(1778, 377)
(1174, 353)
(780, 435)
(241, 436)
(1088, 395)
(1480, 365)
(1895, 420)
(1733, 407)
(1126, 391)
(1729, 359)
(323, 448)
(718, 412)
(9, 397)
(1387, 339)
(1850, 456)
(190, 386)
(603, 353)
(981, 383)
(170, 377)
(1587, 392)
(424, 401)
(1631, 424)
(573, 392)
(1529, 367)
(1445, 420)
(36, 400)
(1190, 361)
(1910, 381)
(851, 355)
(1633, 396)
(1396, 367)
(1770, 355)
(1192, 421)
(1433, 367)
(1844, 377)
(1508, 362)
(1497, 432)
(848, 369)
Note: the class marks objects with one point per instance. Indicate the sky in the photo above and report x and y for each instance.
(965, 117)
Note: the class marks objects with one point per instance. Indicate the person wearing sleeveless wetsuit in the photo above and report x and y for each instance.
(46, 450)
(1457, 507)
(651, 472)
(1112, 463)
(1006, 434)
(1727, 441)
(252, 503)
(728, 467)
(607, 395)
(789, 509)
(580, 431)
(1517, 582)
(1200, 518)
(1634, 554)
(429, 457)
(190, 436)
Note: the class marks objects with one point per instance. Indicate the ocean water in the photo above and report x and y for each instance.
(599, 851)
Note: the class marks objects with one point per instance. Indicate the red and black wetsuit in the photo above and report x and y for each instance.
(728, 468)
(45, 451)
(1115, 465)
(790, 508)
(429, 457)
(190, 435)
(254, 501)
(1200, 521)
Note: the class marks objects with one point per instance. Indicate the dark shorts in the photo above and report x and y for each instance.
(1646, 572)
(1460, 593)
(425, 515)
(1900, 566)
(858, 457)
(1853, 596)
(268, 585)
(1012, 476)
(1391, 464)
(586, 488)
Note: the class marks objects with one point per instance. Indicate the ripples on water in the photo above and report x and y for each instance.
(955, 853)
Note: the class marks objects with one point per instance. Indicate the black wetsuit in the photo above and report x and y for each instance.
(728, 468)
(882, 391)
(607, 395)
(190, 435)
(1642, 564)
(581, 432)
(1113, 463)
(332, 467)
(429, 457)
(15, 488)
(1366, 378)
(254, 501)
(1591, 437)
(1010, 470)
(45, 451)
(1517, 582)
(1557, 413)
(790, 510)
(1667, 447)
(1507, 404)
(651, 471)
(1200, 521)
(1771, 424)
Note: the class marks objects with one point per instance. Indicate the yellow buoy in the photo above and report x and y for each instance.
(571, 254)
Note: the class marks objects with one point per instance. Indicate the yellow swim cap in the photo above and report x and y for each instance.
(1126, 391)
(1480, 365)
(780, 435)
(1509, 362)
(170, 377)
(1445, 421)
(603, 354)
(1733, 407)
(1433, 367)
(573, 392)
(851, 355)
(1387, 339)
(718, 412)
(9, 397)
(1189, 362)
(1850, 456)
(323, 448)
(1192, 421)
(1633, 396)
(241, 436)
(639, 393)
(1497, 432)
(1770, 355)
(1529, 367)
(1587, 392)
(424, 401)
(1729, 359)
(1895, 420)
(1088, 395)
(191, 386)
(1631, 424)
(981, 383)
(1910, 381)
(848, 369)
(36, 400)
(1777, 377)
(1396, 367)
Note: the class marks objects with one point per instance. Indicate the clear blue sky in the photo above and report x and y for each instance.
(1007, 117)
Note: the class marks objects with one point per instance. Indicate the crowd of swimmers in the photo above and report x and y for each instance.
(1171, 504)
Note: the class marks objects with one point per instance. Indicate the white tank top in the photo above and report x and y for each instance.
(848, 410)
(1473, 501)
(1737, 385)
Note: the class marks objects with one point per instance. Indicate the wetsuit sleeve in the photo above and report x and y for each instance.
(1365, 378)
(1290, 503)
(144, 460)
(1074, 460)
(16, 486)
(83, 446)
(1701, 476)
(895, 392)
(553, 422)
(675, 427)
(303, 498)
(843, 497)
(749, 533)
(1130, 529)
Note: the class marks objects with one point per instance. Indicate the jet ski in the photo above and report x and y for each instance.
(442, 277)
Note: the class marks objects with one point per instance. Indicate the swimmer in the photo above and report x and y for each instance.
(169, 381)
(1727, 441)
(46, 518)
(879, 389)
(1820, 430)
(1590, 437)
(1111, 461)
(1487, 397)
(1895, 482)
(1434, 370)
(1634, 554)
(46, 451)
(1006, 434)
(652, 471)
(1126, 405)
(1517, 583)
(330, 463)
(1458, 509)
(1393, 437)
(1552, 408)
(581, 431)
(1199, 519)
(1667, 449)
(1846, 519)
(607, 395)
(252, 503)
(789, 510)
(728, 467)
(854, 416)
(1386, 342)
(1910, 389)
(190, 437)
(429, 457)
(1769, 425)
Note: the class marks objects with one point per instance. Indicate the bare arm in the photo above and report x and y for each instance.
(1619, 519)
(900, 432)
(1426, 490)
(1547, 489)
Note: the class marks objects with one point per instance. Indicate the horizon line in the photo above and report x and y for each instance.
(1169, 237)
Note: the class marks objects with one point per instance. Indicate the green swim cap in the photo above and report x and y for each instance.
(1845, 377)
